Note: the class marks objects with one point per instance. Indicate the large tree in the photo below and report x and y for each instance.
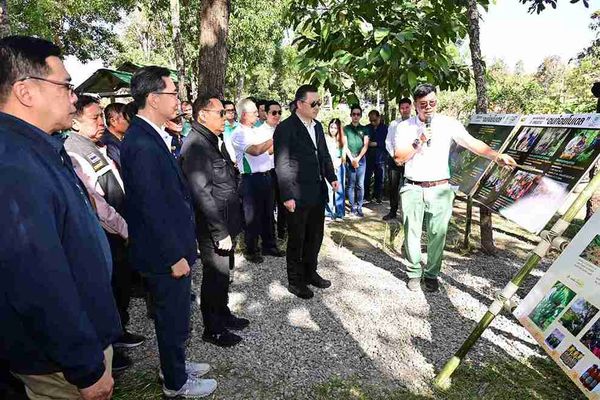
(178, 47)
(214, 28)
(4, 25)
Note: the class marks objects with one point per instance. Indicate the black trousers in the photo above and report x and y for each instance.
(214, 291)
(395, 177)
(121, 277)
(305, 236)
(257, 201)
(281, 210)
(171, 302)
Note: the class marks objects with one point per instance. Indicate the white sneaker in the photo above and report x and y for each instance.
(193, 369)
(192, 389)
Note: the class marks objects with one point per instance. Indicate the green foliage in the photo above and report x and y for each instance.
(83, 28)
(540, 5)
(347, 45)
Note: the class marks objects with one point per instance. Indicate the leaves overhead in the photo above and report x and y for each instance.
(538, 6)
(396, 44)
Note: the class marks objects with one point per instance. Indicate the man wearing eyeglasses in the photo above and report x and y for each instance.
(254, 162)
(357, 136)
(422, 143)
(56, 304)
(302, 163)
(213, 181)
(162, 237)
(231, 125)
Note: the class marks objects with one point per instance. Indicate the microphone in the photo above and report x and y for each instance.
(428, 129)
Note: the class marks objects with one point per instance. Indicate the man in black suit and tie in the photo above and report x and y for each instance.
(302, 163)
(160, 216)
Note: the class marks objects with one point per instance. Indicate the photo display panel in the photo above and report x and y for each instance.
(562, 310)
(553, 152)
(466, 168)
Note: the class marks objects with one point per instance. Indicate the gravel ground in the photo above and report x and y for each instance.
(367, 326)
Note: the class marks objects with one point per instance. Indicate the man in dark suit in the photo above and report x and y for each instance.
(302, 163)
(213, 181)
(159, 212)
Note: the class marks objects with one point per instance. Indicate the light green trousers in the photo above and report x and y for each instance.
(435, 205)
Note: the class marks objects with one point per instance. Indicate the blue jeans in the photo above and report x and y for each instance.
(336, 200)
(356, 181)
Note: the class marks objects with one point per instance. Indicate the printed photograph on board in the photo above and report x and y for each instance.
(592, 252)
(591, 339)
(555, 338)
(526, 139)
(578, 316)
(582, 147)
(550, 307)
(550, 142)
(520, 184)
(571, 356)
(590, 378)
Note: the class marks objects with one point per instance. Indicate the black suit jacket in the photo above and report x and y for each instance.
(158, 207)
(301, 167)
(213, 182)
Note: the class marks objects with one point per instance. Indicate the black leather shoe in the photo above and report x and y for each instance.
(120, 361)
(236, 323)
(389, 216)
(275, 252)
(223, 339)
(301, 291)
(254, 258)
(319, 282)
(431, 284)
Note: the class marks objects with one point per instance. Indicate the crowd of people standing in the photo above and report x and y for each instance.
(94, 199)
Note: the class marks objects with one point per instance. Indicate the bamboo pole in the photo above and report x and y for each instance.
(551, 238)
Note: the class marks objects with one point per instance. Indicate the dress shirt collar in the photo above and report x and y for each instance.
(163, 134)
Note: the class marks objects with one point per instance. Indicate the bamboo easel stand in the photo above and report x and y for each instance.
(552, 238)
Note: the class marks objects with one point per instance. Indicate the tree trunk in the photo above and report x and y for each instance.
(485, 215)
(4, 25)
(214, 26)
(178, 46)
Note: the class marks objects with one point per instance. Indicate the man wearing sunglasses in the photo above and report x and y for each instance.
(56, 305)
(357, 136)
(302, 163)
(162, 230)
(422, 143)
(252, 150)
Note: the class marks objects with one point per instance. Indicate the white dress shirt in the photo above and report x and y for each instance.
(430, 163)
(242, 138)
(163, 134)
(310, 127)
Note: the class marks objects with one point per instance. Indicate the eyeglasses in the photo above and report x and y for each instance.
(169, 93)
(313, 104)
(431, 103)
(274, 113)
(221, 112)
(356, 114)
(67, 85)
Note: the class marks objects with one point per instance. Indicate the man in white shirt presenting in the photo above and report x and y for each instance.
(252, 150)
(422, 143)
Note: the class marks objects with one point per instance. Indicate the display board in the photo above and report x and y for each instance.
(553, 152)
(466, 168)
(561, 311)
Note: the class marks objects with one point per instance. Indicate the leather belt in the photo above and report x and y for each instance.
(428, 184)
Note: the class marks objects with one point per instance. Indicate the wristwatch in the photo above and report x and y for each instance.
(416, 144)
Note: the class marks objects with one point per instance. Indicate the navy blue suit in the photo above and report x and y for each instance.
(160, 217)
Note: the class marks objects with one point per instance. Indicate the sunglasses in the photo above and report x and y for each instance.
(431, 103)
(67, 85)
(274, 113)
(313, 104)
(221, 112)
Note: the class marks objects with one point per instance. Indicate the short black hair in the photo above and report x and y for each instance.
(423, 90)
(130, 110)
(303, 90)
(355, 107)
(404, 100)
(270, 103)
(200, 103)
(147, 80)
(82, 102)
(113, 110)
(22, 56)
(374, 112)
(261, 102)
(227, 102)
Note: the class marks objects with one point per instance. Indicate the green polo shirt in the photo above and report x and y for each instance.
(356, 137)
